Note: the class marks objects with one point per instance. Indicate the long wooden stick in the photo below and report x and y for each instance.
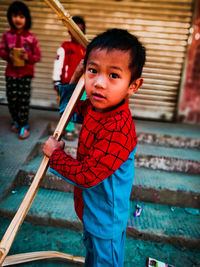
(19, 217)
(68, 21)
(40, 255)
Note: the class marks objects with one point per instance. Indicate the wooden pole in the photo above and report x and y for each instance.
(40, 255)
(19, 217)
(68, 21)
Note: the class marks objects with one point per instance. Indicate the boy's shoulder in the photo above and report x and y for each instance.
(114, 120)
(119, 120)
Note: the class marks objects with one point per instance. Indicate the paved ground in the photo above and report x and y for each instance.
(13, 150)
(13, 153)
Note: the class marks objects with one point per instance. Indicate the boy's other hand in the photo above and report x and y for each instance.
(51, 144)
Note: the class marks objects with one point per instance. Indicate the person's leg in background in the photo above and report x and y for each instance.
(24, 102)
(12, 98)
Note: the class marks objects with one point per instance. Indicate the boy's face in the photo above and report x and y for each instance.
(18, 21)
(107, 78)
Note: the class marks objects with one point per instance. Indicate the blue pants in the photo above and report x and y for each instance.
(104, 252)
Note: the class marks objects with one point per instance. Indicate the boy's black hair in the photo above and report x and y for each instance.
(121, 40)
(79, 20)
(19, 7)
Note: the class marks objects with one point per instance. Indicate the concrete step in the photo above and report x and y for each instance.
(168, 140)
(164, 187)
(157, 223)
(43, 238)
(168, 158)
(176, 189)
(172, 159)
(158, 151)
(156, 133)
(170, 188)
(179, 131)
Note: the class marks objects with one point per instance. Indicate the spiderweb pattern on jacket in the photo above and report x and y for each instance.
(105, 142)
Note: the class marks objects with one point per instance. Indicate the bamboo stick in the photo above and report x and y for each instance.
(19, 217)
(68, 21)
(40, 255)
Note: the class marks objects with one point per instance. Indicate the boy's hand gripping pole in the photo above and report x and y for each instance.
(19, 217)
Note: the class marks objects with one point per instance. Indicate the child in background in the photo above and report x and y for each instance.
(68, 57)
(20, 48)
(104, 169)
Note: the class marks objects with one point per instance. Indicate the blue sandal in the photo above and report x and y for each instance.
(24, 132)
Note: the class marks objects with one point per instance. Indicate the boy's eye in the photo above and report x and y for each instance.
(114, 75)
(92, 70)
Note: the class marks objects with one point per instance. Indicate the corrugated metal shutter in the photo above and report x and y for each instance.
(162, 26)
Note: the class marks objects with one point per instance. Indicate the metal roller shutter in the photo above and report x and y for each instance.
(162, 26)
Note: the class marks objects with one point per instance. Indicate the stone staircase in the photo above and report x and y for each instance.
(166, 186)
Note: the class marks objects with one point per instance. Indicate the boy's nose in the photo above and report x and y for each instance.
(100, 82)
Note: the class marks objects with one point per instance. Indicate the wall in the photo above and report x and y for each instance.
(162, 26)
(189, 108)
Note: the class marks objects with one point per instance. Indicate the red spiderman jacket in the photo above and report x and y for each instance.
(103, 171)
(26, 40)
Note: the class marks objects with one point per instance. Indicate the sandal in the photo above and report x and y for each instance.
(14, 127)
(24, 132)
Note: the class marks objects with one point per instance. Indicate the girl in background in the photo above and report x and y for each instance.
(20, 48)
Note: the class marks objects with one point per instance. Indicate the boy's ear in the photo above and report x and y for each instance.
(135, 85)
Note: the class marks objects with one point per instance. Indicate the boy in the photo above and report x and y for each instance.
(69, 54)
(104, 168)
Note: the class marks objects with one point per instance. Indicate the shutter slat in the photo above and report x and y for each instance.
(162, 26)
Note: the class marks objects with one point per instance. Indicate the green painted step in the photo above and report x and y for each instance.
(157, 223)
(37, 237)
(155, 157)
(168, 158)
(167, 128)
(170, 152)
(163, 187)
(167, 180)
(164, 134)
(168, 140)
(163, 223)
(172, 188)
